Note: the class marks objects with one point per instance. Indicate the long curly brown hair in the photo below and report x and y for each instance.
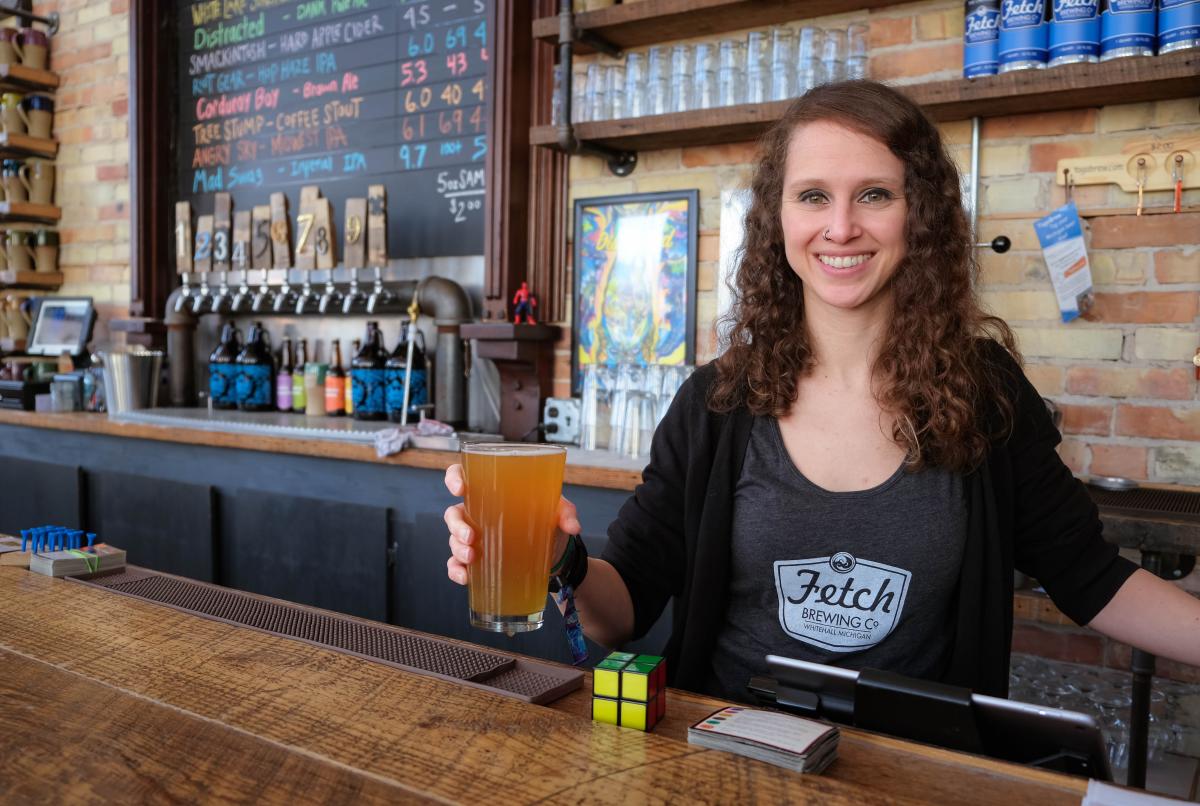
(932, 373)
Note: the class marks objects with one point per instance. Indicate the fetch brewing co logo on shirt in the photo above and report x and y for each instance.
(839, 603)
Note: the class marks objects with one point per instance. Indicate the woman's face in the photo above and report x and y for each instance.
(843, 215)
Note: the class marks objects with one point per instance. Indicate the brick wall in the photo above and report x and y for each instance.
(91, 56)
(1123, 376)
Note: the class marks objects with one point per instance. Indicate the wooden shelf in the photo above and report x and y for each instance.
(1074, 86)
(17, 211)
(31, 279)
(26, 78)
(653, 21)
(23, 144)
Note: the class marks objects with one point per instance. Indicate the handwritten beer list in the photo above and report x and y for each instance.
(341, 94)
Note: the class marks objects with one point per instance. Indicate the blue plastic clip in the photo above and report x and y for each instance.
(25, 539)
(91, 536)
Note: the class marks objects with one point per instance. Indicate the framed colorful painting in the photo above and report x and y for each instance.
(635, 280)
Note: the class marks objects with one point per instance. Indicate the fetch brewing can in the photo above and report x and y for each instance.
(1023, 29)
(980, 30)
(1178, 25)
(1074, 31)
(1127, 28)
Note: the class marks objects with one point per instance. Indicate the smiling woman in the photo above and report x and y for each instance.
(855, 479)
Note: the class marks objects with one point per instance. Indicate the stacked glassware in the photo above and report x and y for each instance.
(768, 65)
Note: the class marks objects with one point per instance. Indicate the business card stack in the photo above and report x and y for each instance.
(77, 562)
(803, 745)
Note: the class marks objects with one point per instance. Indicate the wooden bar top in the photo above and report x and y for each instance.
(91, 423)
(112, 699)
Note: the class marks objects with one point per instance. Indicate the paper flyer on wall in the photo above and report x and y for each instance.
(1061, 237)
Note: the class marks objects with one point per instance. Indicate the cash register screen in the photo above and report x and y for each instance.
(62, 326)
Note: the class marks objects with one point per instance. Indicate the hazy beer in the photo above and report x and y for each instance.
(512, 505)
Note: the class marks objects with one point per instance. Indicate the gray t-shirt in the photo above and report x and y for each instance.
(854, 579)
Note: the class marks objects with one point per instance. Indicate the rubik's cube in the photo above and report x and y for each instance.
(630, 690)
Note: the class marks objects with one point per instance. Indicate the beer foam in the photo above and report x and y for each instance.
(510, 450)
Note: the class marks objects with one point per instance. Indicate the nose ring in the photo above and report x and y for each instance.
(826, 236)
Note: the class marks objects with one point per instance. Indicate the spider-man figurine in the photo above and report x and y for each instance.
(525, 303)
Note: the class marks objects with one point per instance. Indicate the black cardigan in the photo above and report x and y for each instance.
(1025, 510)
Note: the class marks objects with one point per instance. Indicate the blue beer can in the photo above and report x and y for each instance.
(1178, 25)
(1074, 31)
(981, 30)
(1127, 28)
(1023, 35)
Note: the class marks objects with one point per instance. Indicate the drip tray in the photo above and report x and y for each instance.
(520, 678)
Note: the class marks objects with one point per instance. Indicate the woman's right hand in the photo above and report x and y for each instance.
(463, 537)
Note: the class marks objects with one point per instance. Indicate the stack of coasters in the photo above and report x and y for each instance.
(803, 745)
(630, 690)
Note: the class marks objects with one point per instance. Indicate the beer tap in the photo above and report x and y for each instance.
(355, 296)
(185, 291)
(202, 296)
(331, 296)
(262, 299)
(221, 302)
(243, 292)
(306, 292)
(286, 297)
(379, 293)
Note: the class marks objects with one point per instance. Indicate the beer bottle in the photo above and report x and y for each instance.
(397, 370)
(354, 348)
(222, 368)
(335, 383)
(368, 371)
(283, 381)
(256, 372)
(299, 399)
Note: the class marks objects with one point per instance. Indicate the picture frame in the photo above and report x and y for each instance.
(635, 280)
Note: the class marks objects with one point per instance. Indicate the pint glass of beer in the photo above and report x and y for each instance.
(512, 505)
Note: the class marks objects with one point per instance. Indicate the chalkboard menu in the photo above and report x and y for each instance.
(276, 94)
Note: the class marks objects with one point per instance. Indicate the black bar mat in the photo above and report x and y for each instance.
(528, 680)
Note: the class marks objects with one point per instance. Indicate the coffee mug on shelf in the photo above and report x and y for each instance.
(15, 180)
(38, 176)
(12, 116)
(46, 251)
(34, 49)
(9, 45)
(16, 318)
(20, 251)
(39, 115)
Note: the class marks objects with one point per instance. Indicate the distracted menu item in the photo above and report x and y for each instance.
(77, 562)
(799, 744)
(277, 94)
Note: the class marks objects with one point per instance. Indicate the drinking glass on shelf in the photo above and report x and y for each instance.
(596, 99)
(757, 76)
(856, 50)
(580, 111)
(704, 95)
(681, 78)
(782, 73)
(556, 98)
(614, 86)
(657, 95)
(730, 64)
(833, 55)
(809, 73)
(635, 85)
(598, 382)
